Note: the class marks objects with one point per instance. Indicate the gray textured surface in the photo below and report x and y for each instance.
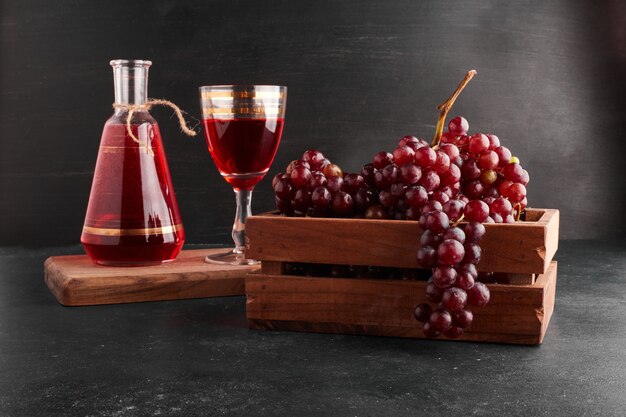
(198, 358)
(361, 74)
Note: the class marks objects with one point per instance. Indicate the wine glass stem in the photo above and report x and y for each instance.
(244, 202)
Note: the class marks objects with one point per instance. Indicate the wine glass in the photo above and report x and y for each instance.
(243, 125)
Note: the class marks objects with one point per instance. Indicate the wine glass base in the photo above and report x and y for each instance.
(230, 257)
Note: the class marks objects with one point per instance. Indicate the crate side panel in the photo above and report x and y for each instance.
(518, 248)
(341, 241)
(325, 302)
(388, 331)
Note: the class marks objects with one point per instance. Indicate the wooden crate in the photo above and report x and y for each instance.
(519, 312)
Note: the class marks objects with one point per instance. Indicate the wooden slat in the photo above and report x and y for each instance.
(524, 247)
(273, 268)
(515, 279)
(515, 314)
(388, 331)
(76, 281)
(549, 295)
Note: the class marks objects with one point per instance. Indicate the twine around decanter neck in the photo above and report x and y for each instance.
(132, 108)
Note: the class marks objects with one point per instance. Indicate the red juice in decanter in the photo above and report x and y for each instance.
(132, 217)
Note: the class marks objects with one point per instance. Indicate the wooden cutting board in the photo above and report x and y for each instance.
(76, 281)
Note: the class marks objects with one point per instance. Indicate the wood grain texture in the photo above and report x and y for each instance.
(76, 281)
(516, 314)
(524, 247)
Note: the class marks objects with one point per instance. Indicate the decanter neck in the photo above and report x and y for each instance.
(130, 79)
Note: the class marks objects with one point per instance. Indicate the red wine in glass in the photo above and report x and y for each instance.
(243, 149)
(243, 125)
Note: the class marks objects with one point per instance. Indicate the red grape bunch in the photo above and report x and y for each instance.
(453, 252)
(312, 186)
(488, 172)
(450, 187)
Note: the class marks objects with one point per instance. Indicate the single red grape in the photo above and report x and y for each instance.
(451, 150)
(429, 238)
(342, 203)
(494, 141)
(472, 253)
(502, 206)
(387, 199)
(453, 332)
(476, 211)
(454, 299)
(300, 176)
(478, 295)
(353, 182)
(427, 256)
(462, 319)
(317, 179)
(410, 141)
(367, 172)
(444, 277)
(425, 157)
(403, 155)
(488, 160)
(364, 198)
(516, 192)
(283, 189)
(478, 143)
(469, 268)
(430, 180)
(314, 158)
(334, 183)
(465, 280)
(470, 170)
(504, 155)
(513, 172)
(382, 159)
(440, 196)
(525, 178)
(422, 312)
(455, 233)
(440, 320)
(452, 176)
(429, 331)
(458, 126)
(410, 174)
(450, 252)
(276, 178)
(474, 189)
(454, 209)
(416, 196)
(431, 206)
(442, 163)
(321, 197)
(437, 221)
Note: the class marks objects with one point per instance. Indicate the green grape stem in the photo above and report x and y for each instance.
(447, 105)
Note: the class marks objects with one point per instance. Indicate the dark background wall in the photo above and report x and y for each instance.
(551, 85)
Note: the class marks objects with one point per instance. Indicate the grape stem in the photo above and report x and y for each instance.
(459, 220)
(447, 105)
(519, 212)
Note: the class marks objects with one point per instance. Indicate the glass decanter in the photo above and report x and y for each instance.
(132, 216)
